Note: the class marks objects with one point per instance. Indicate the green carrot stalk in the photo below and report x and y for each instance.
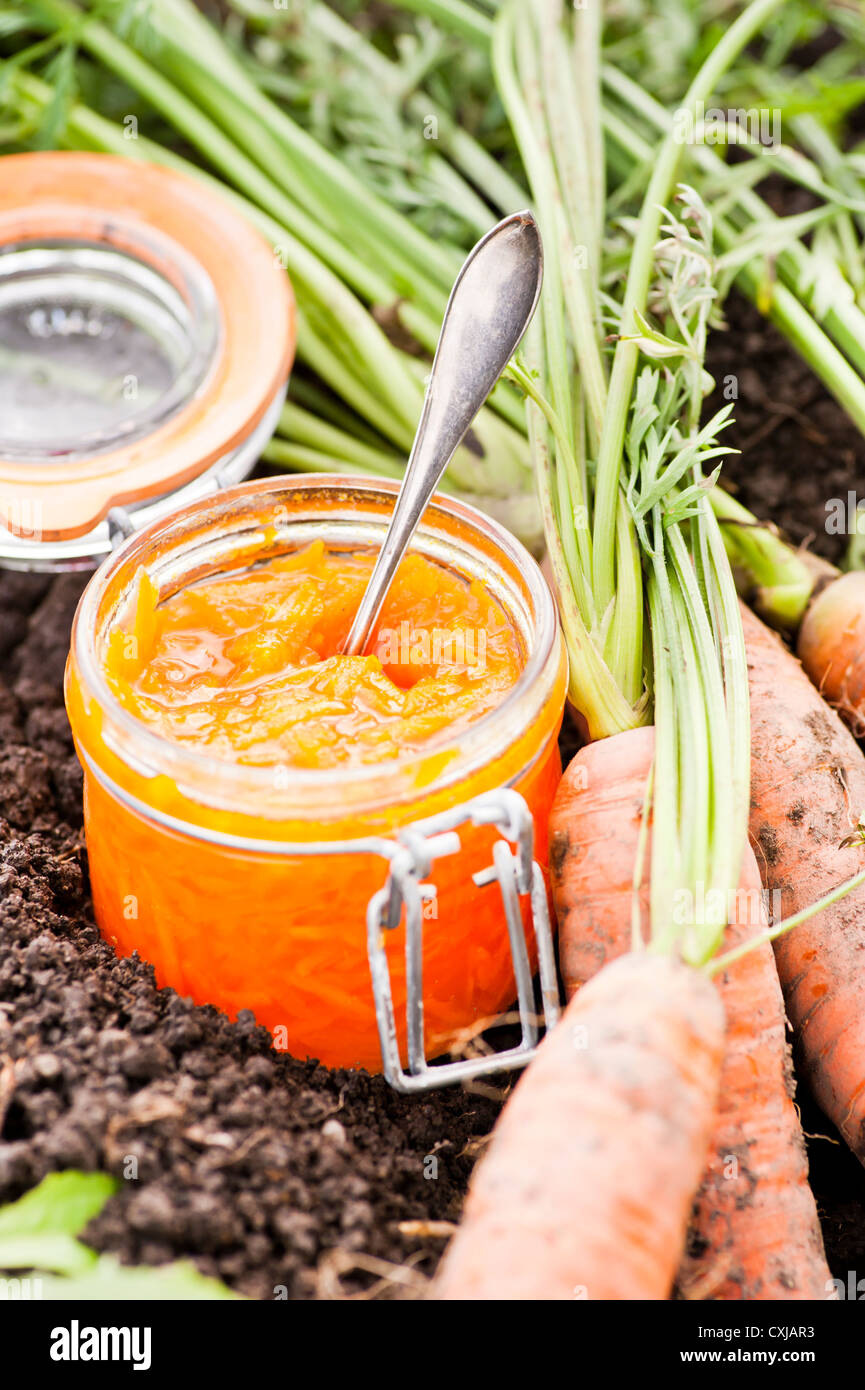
(199, 59)
(478, 167)
(453, 15)
(303, 428)
(303, 458)
(261, 187)
(801, 303)
(780, 581)
(624, 368)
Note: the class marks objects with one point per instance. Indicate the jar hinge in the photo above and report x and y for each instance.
(518, 875)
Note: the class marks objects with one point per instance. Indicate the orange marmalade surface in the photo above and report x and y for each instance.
(247, 667)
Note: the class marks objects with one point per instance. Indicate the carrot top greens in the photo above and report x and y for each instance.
(621, 456)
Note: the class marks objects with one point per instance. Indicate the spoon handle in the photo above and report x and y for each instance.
(490, 305)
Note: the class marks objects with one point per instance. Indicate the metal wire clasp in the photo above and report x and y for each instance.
(517, 873)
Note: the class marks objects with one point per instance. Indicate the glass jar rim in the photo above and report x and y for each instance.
(99, 275)
(149, 212)
(497, 728)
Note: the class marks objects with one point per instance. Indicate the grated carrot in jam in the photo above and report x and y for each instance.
(247, 666)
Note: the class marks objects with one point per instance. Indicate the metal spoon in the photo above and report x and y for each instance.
(490, 305)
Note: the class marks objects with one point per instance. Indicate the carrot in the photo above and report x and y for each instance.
(587, 1186)
(831, 646)
(755, 1233)
(807, 795)
(594, 828)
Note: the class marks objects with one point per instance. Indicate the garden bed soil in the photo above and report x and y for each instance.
(279, 1176)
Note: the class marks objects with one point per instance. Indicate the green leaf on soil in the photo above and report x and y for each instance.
(110, 1280)
(62, 1204)
(38, 1233)
(58, 1253)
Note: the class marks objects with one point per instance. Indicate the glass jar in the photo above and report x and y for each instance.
(146, 334)
(204, 866)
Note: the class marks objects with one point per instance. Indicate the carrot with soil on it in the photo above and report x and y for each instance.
(755, 1233)
(586, 1189)
(593, 837)
(807, 798)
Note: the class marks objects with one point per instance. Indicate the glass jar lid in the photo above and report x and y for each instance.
(146, 333)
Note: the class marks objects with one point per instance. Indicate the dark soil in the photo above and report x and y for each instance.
(272, 1173)
(798, 450)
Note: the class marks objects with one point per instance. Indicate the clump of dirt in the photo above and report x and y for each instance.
(274, 1174)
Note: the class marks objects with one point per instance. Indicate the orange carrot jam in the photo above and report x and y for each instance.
(222, 737)
(247, 667)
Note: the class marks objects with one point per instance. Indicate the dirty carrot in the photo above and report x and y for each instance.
(808, 798)
(587, 1186)
(831, 646)
(755, 1233)
(594, 833)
